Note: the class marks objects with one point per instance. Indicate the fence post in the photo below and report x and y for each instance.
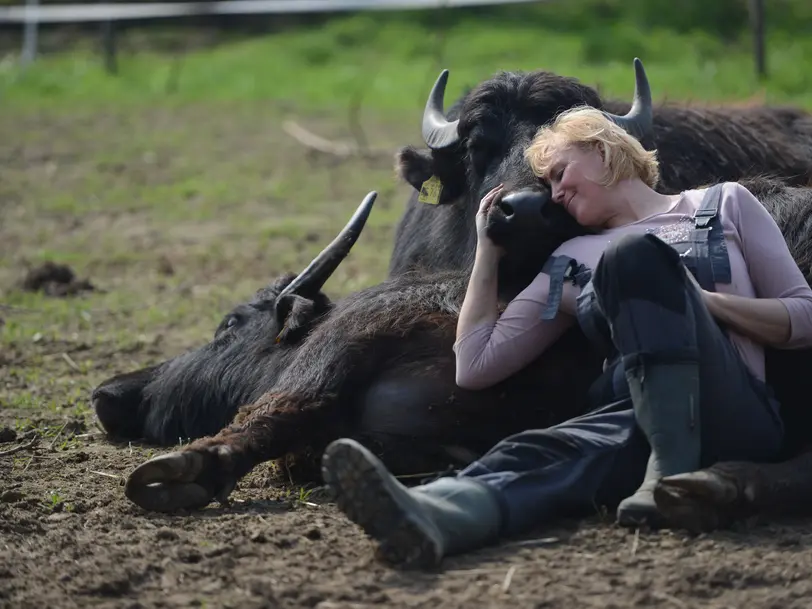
(757, 23)
(29, 51)
(108, 32)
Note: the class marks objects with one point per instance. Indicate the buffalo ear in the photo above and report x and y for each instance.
(414, 166)
(294, 316)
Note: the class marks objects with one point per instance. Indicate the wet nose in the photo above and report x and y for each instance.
(521, 205)
(117, 404)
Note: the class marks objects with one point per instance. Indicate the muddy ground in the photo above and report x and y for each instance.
(173, 215)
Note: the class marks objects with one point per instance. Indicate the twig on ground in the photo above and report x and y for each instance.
(320, 144)
(69, 360)
(104, 474)
(670, 598)
(508, 578)
(56, 437)
(19, 448)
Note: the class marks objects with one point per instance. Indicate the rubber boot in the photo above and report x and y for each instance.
(413, 527)
(666, 406)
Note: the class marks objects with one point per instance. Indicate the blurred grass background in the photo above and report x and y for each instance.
(692, 49)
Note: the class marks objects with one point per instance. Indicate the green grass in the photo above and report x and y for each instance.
(393, 59)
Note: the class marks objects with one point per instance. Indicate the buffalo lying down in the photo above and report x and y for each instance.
(379, 368)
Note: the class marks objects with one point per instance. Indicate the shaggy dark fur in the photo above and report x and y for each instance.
(382, 368)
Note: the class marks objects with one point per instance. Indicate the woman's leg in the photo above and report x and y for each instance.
(693, 397)
(528, 478)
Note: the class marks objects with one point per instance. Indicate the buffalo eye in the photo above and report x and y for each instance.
(232, 321)
(482, 152)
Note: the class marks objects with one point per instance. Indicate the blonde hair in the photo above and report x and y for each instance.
(588, 128)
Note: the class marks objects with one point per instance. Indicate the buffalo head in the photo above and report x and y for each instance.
(481, 143)
(199, 392)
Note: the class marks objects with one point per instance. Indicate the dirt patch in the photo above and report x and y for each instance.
(230, 203)
(70, 539)
(53, 279)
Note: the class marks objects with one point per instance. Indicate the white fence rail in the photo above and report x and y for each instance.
(73, 13)
(33, 14)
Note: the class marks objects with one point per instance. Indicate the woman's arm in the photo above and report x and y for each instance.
(480, 304)
(781, 316)
(765, 320)
(500, 345)
(489, 347)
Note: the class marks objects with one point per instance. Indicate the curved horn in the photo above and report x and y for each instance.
(438, 132)
(639, 120)
(311, 280)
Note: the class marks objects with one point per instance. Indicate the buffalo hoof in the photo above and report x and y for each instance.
(177, 481)
(700, 501)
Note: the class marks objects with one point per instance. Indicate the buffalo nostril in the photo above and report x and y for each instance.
(506, 208)
(118, 414)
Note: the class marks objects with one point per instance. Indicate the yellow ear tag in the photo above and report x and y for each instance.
(430, 191)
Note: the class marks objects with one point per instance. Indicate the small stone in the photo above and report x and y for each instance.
(259, 537)
(11, 496)
(167, 535)
(59, 516)
(313, 534)
(7, 434)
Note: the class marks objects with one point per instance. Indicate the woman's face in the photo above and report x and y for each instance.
(573, 179)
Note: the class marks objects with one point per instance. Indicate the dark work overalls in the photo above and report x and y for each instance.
(649, 309)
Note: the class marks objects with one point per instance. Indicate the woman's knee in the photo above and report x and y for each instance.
(639, 267)
(638, 254)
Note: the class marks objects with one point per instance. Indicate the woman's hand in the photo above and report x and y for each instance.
(482, 219)
(707, 297)
(765, 320)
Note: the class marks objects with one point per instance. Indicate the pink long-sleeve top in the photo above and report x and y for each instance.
(761, 266)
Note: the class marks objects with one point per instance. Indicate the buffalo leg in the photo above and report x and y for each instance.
(727, 492)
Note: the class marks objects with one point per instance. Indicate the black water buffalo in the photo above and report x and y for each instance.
(481, 142)
(380, 369)
(197, 393)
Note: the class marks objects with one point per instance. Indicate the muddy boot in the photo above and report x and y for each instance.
(666, 406)
(413, 527)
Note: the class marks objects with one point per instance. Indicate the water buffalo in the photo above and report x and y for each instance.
(380, 369)
(197, 393)
(481, 141)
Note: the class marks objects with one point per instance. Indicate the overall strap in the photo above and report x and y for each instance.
(708, 242)
(561, 268)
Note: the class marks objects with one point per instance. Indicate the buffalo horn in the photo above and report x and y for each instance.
(311, 280)
(638, 121)
(438, 132)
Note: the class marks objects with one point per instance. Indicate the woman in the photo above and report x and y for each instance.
(684, 292)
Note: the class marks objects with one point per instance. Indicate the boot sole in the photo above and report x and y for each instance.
(362, 489)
